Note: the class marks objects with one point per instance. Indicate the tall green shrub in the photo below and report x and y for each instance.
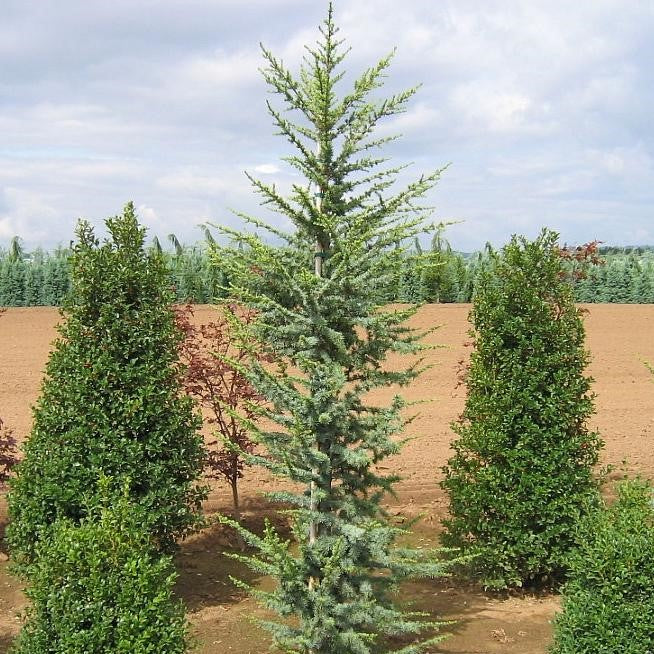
(522, 471)
(111, 401)
(318, 305)
(608, 603)
(98, 586)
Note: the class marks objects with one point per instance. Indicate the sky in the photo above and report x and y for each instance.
(543, 109)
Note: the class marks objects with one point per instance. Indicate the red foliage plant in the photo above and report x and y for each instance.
(211, 356)
(8, 450)
(580, 258)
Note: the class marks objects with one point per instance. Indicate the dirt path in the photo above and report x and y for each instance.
(620, 339)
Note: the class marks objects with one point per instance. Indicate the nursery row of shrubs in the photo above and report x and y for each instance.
(107, 483)
(110, 476)
(434, 274)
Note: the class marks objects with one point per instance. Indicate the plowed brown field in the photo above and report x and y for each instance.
(620, 340)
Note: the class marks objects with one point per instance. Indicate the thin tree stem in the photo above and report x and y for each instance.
(313, 503)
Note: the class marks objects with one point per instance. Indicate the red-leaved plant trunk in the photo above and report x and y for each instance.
(8, 457)
(224, 394)
(8, 448)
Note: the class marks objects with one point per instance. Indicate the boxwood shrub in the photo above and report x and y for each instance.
(608, 602)
(522, 471)
(99, 586)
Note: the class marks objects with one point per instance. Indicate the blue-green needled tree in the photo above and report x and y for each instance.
(319, 301)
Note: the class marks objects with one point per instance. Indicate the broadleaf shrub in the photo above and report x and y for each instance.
(608, 603)
(99, 586)
(522, 472)
(111, 403)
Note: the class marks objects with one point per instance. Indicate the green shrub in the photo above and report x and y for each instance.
(522, 472)
(111, 401)
(608, 602)
(98, 586)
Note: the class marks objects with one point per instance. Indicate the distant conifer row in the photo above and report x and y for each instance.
(428, 274)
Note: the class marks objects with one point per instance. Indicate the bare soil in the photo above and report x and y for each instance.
(619, 338)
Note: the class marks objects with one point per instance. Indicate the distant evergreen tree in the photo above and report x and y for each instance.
(192, 287)
(632, 273)
(644, 288)
(586, 288)
(439, 276)
(616, 284)
(49, 290)
(467, 287)
(426, 275)
(460, 271)
(411, 287)
(33, 284)
(60, 275)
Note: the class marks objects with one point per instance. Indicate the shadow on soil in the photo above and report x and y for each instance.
(6, 641)
(443, 602)
(205, 569)
(463, 605)
(3, 542)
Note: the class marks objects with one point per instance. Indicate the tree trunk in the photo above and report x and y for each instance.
(233, 482)
(318, 258)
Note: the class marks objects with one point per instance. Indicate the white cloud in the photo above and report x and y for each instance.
(193, 182)
(632, 163)
(27, 214)
(420, 117)
(148, 215)
(543, 108)
(266, 169)
(489, 109)
(7, 229)
(219, 69)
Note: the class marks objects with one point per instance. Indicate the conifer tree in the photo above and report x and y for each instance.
(318, 304)
(644, 289)
(522, 472)
(111, 401)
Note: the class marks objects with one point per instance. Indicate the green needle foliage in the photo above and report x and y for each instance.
(608, 604)
(111, 401)
(522, 472)
(318, 299)
(98, 586)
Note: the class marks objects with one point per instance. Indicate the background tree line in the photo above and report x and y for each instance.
(428, 273)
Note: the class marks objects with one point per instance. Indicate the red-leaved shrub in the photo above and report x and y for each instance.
(7, 452)
(212, 356)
